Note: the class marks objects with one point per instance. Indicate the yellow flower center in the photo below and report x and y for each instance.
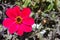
(18, 19)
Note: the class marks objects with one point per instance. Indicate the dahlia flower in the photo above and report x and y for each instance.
(18, 20)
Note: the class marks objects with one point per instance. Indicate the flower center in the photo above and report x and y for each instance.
(18, 19)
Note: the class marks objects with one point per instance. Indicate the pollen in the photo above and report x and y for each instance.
(18, 19)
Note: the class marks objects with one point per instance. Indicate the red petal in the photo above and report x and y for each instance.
(13, 28)
(17, 10)
(26, 12)
(7, 22)
(26, 28)
(13, 12)
(28, 21)
(20, 31)
(10, 13)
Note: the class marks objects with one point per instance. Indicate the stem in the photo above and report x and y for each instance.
(55, 5)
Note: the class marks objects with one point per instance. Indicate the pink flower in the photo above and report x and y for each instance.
(18, 20)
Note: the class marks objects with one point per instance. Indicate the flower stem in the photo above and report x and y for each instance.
(55, 4)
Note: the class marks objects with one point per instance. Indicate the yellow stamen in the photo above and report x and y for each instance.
(18, 19)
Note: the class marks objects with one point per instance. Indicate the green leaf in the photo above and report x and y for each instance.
(37, 1)
(53, 16)
(58, 4)
(18, 3)
(26, 3)
(0, 27)
(50, 1)
(23, 0)
(49, 8)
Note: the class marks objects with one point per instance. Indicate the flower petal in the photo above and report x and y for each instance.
(28, 21)
(7, 22)
(13, 28)
(26, 12)
(13, 12)
(20, 31)
(10, 13)
(17, 10)
(26, 28)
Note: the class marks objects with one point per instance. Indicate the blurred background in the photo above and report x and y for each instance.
(46, 14)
